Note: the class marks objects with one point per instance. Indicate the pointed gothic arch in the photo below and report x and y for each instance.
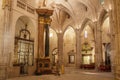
(69, 44)
(85, 22)
(53, 49)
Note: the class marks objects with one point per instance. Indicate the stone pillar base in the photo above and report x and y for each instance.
(3, 74)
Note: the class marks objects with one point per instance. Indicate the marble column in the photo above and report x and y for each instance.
(41, 37)
(98, 45)
(47, 39)
(43, 32)
(78, 49)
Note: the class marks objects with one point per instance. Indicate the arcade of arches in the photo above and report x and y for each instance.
(40, 37)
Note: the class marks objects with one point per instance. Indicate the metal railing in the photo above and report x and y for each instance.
(25, 6)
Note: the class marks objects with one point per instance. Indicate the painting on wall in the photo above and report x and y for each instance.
(71, 59)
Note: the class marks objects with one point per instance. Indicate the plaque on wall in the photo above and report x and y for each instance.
(71, 59)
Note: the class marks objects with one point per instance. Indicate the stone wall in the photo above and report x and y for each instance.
(116, 18)
(2, 66)
(3, 73)
(8, 17)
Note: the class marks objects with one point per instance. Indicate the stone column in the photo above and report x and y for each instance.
(78, 49)
(60, 52)
(98, 45)
(112, 30)
(5, 53)
(60, 48)
(116, 18)
(116, 26)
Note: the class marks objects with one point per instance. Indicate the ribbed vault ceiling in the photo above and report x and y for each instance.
(71, 12)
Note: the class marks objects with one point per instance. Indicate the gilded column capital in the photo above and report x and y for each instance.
(48, 21)
(44, 16)
(41, 20)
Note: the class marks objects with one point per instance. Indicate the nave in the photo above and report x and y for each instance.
(36, 36)
(71, 74)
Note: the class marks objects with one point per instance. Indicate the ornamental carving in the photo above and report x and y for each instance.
(6, 3)
(48, 21)
(41, 20)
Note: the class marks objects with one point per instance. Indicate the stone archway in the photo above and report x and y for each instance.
(87, 23)
(53, 49)
(69, 45)
(23, 56)
(106, 41)
(107, 30)
(88, 47)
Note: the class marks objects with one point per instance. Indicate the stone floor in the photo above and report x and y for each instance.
(71, 74)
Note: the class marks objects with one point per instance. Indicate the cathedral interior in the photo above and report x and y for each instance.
(59, 39)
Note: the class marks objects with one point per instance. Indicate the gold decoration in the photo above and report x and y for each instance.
(48, 20)
(41, 20)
